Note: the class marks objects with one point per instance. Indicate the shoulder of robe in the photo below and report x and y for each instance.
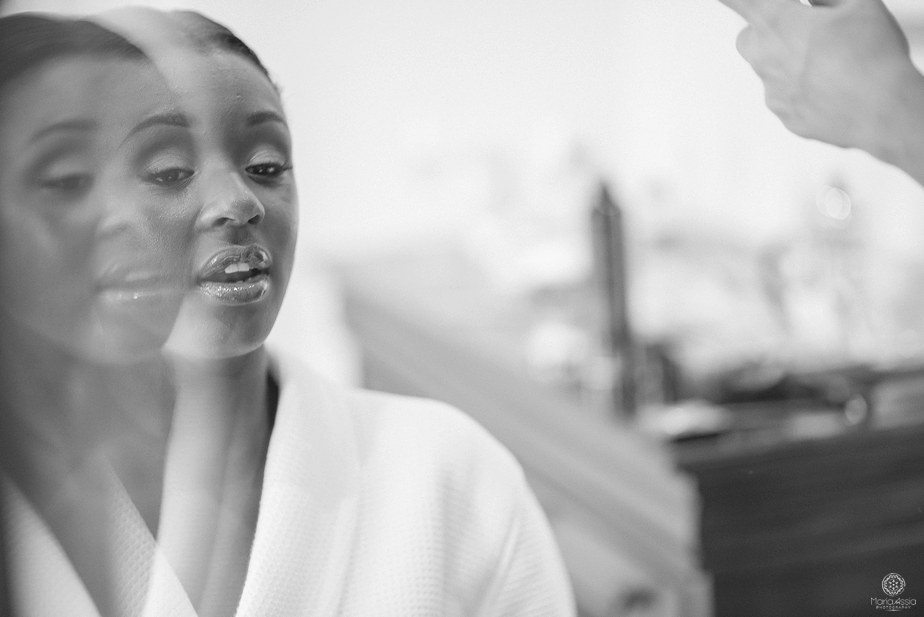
(398, 431)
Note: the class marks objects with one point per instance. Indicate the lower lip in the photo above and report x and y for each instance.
(140, 295)
(251, 290)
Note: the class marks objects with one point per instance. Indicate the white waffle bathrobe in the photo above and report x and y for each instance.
(372, 505)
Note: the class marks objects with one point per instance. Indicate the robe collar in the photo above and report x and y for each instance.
(304, 536)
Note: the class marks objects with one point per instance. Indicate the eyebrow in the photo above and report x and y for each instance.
(260, 117)
(169, 119)
(74, 124)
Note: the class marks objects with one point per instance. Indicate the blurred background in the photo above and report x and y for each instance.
(487, 128)
(702, 336)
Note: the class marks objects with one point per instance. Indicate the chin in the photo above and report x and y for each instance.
(85, 337)
(219, 339)
(127, 336)
(118, 347)
(205, 328)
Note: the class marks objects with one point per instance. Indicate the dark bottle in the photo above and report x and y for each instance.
(610, 275)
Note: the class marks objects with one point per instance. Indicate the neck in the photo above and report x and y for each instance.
(53, 396)
(214, 470)
(222, 410)
(236, 384)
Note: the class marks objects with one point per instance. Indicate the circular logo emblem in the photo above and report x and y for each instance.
(893, 584)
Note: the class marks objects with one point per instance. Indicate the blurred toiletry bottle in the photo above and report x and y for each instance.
(617, 362)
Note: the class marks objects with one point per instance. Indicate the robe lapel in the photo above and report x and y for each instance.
(309, 503)
(44, 582)
(303, 541)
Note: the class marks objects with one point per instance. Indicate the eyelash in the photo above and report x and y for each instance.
(169, 177)
(69, 183)
(267, 172)
(175, 176)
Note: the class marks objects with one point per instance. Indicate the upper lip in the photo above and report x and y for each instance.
(131, 277)
(253, 255)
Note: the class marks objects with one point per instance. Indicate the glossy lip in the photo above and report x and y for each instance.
(251, 289)
(125, 283)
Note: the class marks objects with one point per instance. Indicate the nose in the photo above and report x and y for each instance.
(229, 201)
(112, 213)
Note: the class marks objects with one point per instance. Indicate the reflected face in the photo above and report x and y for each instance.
(229, 170)
(88, 259)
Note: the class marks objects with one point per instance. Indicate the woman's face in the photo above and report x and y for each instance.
(134, 214)
(227, 167)
(88, 257)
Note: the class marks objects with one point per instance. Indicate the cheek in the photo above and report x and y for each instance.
(171, 235)
(38, 242)
(45, 279)
(281, 225)
(161, 225)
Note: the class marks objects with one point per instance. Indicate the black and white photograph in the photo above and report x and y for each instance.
(461, 308)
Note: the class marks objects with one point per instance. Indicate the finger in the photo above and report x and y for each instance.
(777, 105)
(747, 44)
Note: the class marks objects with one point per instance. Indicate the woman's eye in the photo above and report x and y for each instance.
(170, 176)
(267, 171)
(67, 183)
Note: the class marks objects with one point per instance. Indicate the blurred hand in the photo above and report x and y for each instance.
(839, 71)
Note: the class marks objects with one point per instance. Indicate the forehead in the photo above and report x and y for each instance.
(102, 91)
(219, 82)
